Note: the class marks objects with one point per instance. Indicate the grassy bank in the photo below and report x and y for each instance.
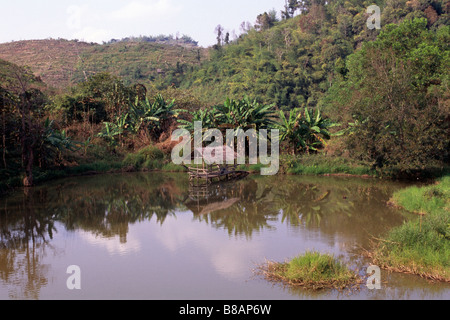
(323, 165)
(318, 164)
(311, 271)
(422, 246)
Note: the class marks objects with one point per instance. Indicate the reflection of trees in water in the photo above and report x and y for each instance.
(309, 204)
(333, 205)
(107, 205)
(25, 232)
(104, 206)
(108, 210)
(251, 212)
(353, 208)
(350, 207)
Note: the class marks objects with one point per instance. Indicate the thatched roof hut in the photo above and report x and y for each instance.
(215, 155)
(218, 163)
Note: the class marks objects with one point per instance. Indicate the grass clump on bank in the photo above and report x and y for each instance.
(312, 270)
(421, 246)
(425, 200)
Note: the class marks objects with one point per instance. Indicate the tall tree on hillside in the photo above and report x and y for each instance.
(264, 22)
(304, 5)
(28, 101)
(292, 6)
(5, 112)
(219, 31)
(227, 38)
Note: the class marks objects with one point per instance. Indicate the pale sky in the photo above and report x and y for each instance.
(102, 20)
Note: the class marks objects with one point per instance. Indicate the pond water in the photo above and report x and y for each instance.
(150, 236)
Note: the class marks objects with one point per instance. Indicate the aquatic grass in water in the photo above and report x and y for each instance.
(421, 246)
(312, 270)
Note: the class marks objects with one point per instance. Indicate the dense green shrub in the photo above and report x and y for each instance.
(394, 99)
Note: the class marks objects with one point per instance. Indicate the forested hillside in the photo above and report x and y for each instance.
(290, 61)
(295, 61)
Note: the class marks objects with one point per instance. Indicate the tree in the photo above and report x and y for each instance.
(288, 128)
(227, 38)
(51, 145)
(219, 31)
(265, 21)
(102, 98)
(106, 93)
(205, 116)
(295, 62)
(27, 100)
(304, 5)
(292, 6)
(396, 95)
(6, 121)
(245, 27)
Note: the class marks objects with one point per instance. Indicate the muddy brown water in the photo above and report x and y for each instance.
(151, 236)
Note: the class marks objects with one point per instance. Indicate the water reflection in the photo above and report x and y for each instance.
(104, 210)
(107, 205)
(25, 233)
(241, 208)
(334, 206)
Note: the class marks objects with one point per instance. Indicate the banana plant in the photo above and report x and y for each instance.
(261, 116)
(86, 145)
(289, 128)
(206, 117)
(53, 143)
(142, 113)
(152, 116)
(305, 130)
(314, 130)
(244, 114)
(110, 132)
